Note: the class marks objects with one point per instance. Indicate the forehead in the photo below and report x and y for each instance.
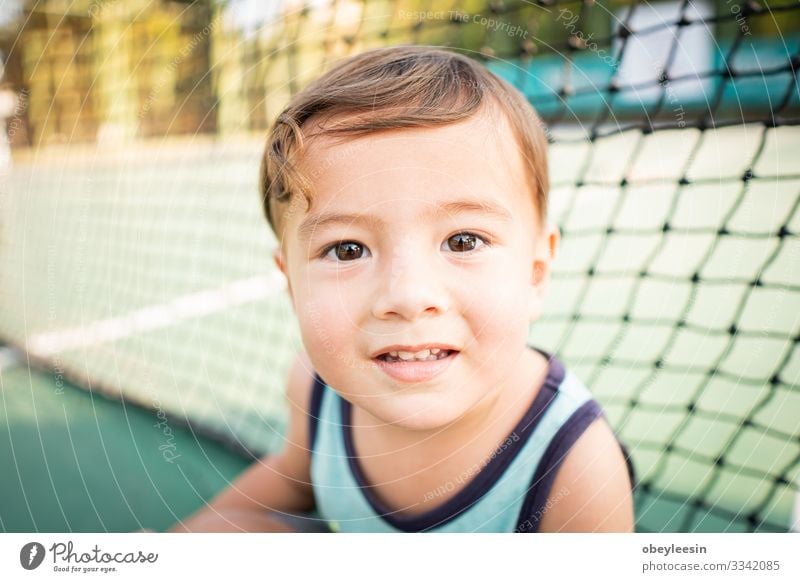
(478, 158)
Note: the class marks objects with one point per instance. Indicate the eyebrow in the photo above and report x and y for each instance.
(318, 222)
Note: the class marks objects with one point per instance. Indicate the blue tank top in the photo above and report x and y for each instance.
(508, 494)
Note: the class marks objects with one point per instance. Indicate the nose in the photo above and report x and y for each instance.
(411, 285)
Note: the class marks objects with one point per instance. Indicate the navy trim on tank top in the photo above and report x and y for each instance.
(539, 490)
(481, 483)
(629, 464)
(314, 408)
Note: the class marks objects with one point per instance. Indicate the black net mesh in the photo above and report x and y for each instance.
(133, 249)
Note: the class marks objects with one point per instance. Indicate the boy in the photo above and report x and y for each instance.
(408, 189)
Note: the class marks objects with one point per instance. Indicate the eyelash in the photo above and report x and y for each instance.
(485, 242)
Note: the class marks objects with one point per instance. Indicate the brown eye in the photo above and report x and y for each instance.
(462, 242)
(346, 251)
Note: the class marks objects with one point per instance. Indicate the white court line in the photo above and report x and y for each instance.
(157, 316)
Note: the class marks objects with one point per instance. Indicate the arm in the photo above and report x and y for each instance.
(595, 490)
(280, 482)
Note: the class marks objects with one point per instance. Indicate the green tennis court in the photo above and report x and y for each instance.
(75, 461)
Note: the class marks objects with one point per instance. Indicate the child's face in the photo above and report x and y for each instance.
(438, 243)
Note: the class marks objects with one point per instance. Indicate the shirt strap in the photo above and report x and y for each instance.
(314, 408)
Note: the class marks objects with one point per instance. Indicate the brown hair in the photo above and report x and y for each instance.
(389, 88)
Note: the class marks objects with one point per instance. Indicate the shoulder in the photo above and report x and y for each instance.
(592, 490)
(299, 388)
(300, 383)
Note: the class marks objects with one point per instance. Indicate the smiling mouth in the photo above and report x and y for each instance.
(423, 356)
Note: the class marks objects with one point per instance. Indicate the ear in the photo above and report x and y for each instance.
(280, 262)
(544, 253)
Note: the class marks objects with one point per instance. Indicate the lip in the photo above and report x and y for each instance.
(413, 349)
(412, 371)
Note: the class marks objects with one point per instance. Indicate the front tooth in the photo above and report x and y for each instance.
(435, 351)
(405, 355)
(422, 355)
(393, 354)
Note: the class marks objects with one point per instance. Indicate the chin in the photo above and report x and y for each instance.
(421, 416)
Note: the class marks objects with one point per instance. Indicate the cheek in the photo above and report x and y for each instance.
(497, 307)
(324, 314)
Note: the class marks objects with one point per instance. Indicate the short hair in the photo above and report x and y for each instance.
(391, 88)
